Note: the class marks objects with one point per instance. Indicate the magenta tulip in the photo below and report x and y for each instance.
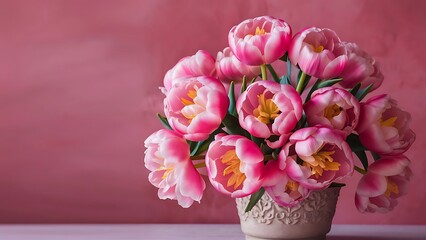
(261, 40)
(333, 107)
(383, 127)
(234, 165)
(229, 68)
(325, 154)
(268, 109)
(284, 190)
(201, 63)
(172, 172)
(195, 107)
(386, 180)
(360, 68)
(318, 53)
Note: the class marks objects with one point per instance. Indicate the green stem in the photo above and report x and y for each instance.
(199, 157)
(200, 165)
(360, 170)
(301, 83)
(263, 70)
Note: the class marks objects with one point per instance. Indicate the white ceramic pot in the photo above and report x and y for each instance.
(310, 220)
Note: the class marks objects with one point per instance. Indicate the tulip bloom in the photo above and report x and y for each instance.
(318, 53)
(234, 165)
(360, 68)
(386, 180)
(383, 127)
(167, 157)
(333, 107)
(325, 154)
(229, 68)
(268, 108)
(201, 63)
(195, 107)
(284, 190)
(261, 40)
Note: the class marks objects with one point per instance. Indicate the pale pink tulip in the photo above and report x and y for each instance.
(195, 107)
(284, 190)
(260, 40)
(318, 53)
(383, 127)
(167, 157)
(360, 68)
(201, 63)
(325, 154)
(333, 107)
(268, 109)
(229, 68)
(386, 180)
(235, 165)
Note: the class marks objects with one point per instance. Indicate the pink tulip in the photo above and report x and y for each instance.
(195, 107)
(383, 127)
(200, 64)
(284, 190)
(268, 109)
(325, 154)
(333, 107)
(386, 180)
(229, 68)
(360, 68)
(260, 40)
(167, 157)
(234, 165)
(318, 53)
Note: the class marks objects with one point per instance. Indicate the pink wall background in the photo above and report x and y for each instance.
(79, 92)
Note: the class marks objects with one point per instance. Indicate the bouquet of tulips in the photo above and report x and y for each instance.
(280, 114)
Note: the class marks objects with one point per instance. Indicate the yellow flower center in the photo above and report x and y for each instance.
(291, 186)
(323, 162)
(232, 161)
(267, 110)
(318, 49)
(332, 111)
(391, 188)
(166, 170)
(390, 122)
(191, 94)
(260, 31)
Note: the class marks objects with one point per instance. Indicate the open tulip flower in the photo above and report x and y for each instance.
(172, 171)
(280, 115)
(386, 180)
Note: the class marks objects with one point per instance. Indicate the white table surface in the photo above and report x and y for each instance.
(191, 231)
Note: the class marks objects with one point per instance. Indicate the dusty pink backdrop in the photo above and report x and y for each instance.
(79, 92)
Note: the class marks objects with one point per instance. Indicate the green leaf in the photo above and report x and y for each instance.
(363, 158)
(231, 95)
(194, 147)
(273, 73)
(254, 198)
(375, 156)
(244, 84)
(362, 93)
(330, 82)
(335, 184)
(164, 121)
(285, 80)
(355, 89)
(284, 57)
(233, 126)
(355, 143)
(314, 87)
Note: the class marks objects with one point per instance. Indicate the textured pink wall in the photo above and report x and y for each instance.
(78, 95)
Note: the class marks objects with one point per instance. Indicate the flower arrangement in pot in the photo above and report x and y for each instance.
(279, 114)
